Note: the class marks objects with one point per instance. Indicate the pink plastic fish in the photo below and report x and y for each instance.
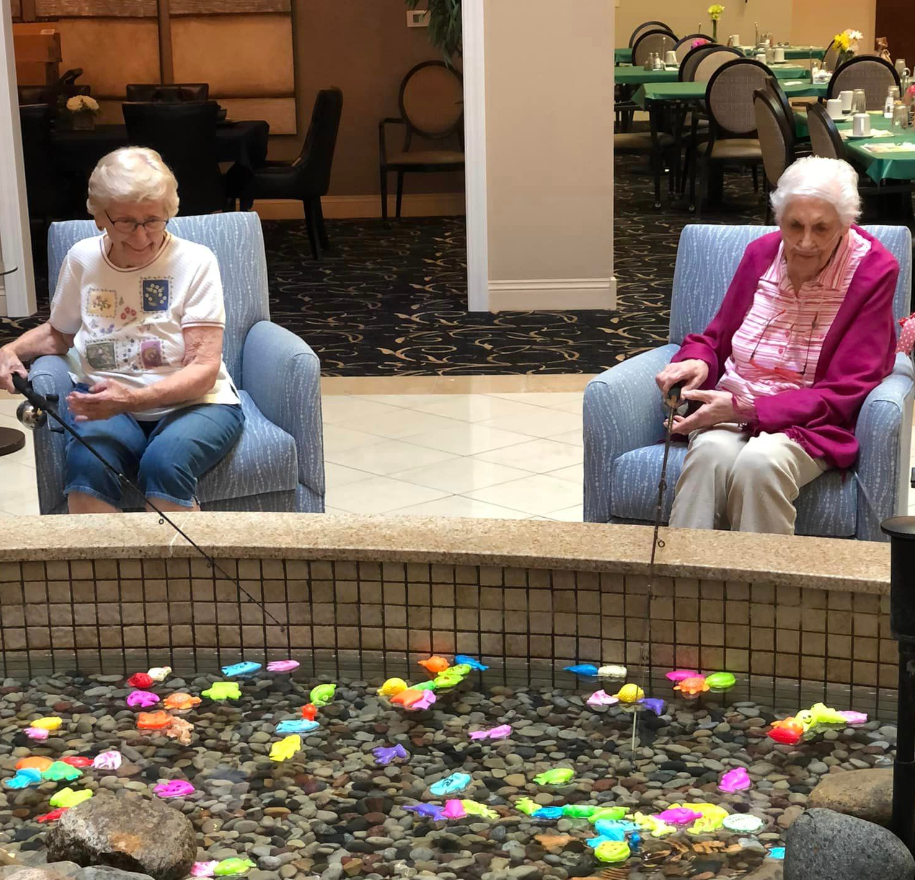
(174, 788)
(735, 780)
(681, 674)
(143, 699)
(110, 760)
(679, 816)
(38, 733)
(854, 717)
(204, 869)
(454, 809)
(500, 732)
(424, 702)
(602, 698)
(282, 665)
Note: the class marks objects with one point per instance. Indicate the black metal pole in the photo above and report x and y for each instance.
(901, 530)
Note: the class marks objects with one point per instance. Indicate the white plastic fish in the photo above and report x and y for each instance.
(159, 673)
(602, 698)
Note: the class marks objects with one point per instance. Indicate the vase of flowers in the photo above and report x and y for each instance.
(83, 111)
(847, 45)
(715, 14)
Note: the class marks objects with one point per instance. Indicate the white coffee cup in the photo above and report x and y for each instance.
(734, 40)
(834, 108)
(761, 57)
(861, 125)
(670, 58)
(779, 55)
(846, 98)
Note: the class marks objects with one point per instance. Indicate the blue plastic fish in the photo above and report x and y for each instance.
(635, 841)
(612, 828)
(247, 667)
(451, 784)
(24, 778)
(583, 669)
(297, 725)
(472, 662)
(547, 813)
(655, 704)
(384, 756)
(430, 811)
(777, 852)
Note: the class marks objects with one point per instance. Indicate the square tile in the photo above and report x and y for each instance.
(385, 457)
(402, 401)
(574, 438)
(540, 422)
(568, 514)
(475, 407)
(20, 488)
(535, 494)
(339, 475)
(549, 399)
(470, 440)
(379, 495)
(460, 505)
(399, 423)
(338, 438)
(338, 409)
(540, 456)
(460, 475)
(574, 474)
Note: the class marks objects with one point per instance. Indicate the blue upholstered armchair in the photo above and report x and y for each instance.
(278, 462)
(623, 415)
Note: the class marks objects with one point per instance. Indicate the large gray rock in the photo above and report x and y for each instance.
(824, 845)
(127, 833)
(105, 873)
(867, 794)
(771, 869)
(17, 873)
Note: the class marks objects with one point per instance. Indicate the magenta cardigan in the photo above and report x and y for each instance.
(858, 353)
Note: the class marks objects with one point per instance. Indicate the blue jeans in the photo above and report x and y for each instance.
(165, 458)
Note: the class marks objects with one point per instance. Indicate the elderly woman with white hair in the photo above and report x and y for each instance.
(776, 381)
(143, 310)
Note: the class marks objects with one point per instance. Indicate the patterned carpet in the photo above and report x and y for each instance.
(391, 298)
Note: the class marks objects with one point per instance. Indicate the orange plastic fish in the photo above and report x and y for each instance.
(406, 698)
(435, 665)
(309, 711)
(692, 686)
(154, 720)
(181, 702)
(788, 731)
(34, 763)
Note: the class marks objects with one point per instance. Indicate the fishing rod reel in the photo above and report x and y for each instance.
(32, 413)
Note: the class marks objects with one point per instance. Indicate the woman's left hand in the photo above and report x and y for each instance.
(717, 408)
(104, 400)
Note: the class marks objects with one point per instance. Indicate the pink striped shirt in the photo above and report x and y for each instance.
(778, 345)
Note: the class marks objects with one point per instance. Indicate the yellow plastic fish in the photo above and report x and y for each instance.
(392, 687)
(630, 693)
(713, 817)
(822, 714)
(67, 797)
(223, 690)
(805, 718)
(473, 808)
(286, 748)
(51, 723)
(653, 826)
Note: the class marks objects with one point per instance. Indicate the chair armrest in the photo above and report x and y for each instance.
(623, 411)
(884, 433)
(282, 375)
(382, 145)
(50, 374)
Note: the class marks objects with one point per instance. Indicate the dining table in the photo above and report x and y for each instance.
(640, 76)
(886, 154)
(792, 53)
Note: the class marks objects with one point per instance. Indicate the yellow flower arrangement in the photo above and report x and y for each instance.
(715, 11)
(82, 104)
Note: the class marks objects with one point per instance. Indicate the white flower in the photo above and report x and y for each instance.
(854, 35)
(82, 103)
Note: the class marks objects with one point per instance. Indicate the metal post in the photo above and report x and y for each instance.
(901, 530)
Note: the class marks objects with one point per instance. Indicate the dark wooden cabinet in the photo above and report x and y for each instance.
(896, 22)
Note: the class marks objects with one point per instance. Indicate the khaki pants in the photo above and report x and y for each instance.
(747, 484)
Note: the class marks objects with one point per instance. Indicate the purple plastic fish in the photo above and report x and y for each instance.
(282, 665)
(204, 869)
(735, 780)
(424, 702)
(854, 717)
(681, 674)
(143, 699)
(500, 732)
(454, 809)
(431, 811)
(602, 698)
(654, 704)
(174, 788)
(679, 816)
(38, 733)
(384, 756)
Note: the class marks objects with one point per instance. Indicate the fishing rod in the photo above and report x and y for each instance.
(36, 416)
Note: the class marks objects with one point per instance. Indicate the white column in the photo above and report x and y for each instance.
(17, 289)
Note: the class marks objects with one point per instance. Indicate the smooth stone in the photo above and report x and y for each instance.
(865, 794)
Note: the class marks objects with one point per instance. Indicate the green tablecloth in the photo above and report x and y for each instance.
(622, 56)
(695, 91)
(792, 53)
(638, 75)
(879, 165)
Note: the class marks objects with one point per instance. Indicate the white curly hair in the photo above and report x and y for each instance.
(832, 180)
(132, 174)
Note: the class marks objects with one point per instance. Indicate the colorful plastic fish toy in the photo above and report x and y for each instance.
(602, 698)
(630, 693)
(392, 687)
(500, 732)
(34, 762)
(426, 701)
(579, 811)
(424, 686)
(676, 675)
(204, 869)
(67, 797)
(143, 699)
(59, 771)
(587, 669)
(451, 784)
(50, 723)
(743, 823)
(223, 690)
(180, 730)
(454, 809)
(692, 687)
(448, 679)
(653, 704)
(788, 731)
(655, 826)
(612, 851)
(286, 748)
(612, 670)
(76, 761)
(282, 665)
(735, 780)
(472, 662)
(777, 852)
(36, 733)
(472, 808)
(435, 664)
(159, 673)
(526, 805)
(322, 694)
(548, 813)
(556, 776)
(407, 698)
(677, 815)
(181, 702)
(53, 816)
(24, 778)
(297, 725)
(613, 834)
(854, 717)
(309, 711)
(153, 720)
(246, 667)
(435, 812)
(611, 828)
(174, 788)
(233, 866)
(721, 681)
(712, 818)
(109, 760)
(820, 713)
(614, 814)
(384, 755)
(141, 680)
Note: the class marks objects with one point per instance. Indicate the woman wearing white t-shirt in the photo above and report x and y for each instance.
(143, 311)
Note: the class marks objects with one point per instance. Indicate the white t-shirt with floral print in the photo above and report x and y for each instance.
(128, 323)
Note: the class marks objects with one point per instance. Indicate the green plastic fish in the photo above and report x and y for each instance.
(472, 808)
(720, 681)
(67, 798)
(612, 851)
(579, 811)
(229, 867)
(448, 679)
(59, 770)
(461, 669)
(614, 814)
(526, 805)
(822, 714)
(424, 686)
(556, 776)
(223, 690)
(286, 748)
(322, 694)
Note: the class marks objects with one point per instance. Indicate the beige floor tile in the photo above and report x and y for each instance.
(334, 511)
(460, 475)
(573, 438)
(403, 401)
(536, 494)
(459, 505)
(569, 514)
(571, 406)
(539, 456)
(343, 408)
(338, 475)
(20, 489)
(474, 407)
(470, 440)
(481, 384)
(340, 439)
(541, 422)
(398, 424)
(549, 399)
(379, 495)
(386, 457)
(378, 384)
(574, 474)
(26, 455)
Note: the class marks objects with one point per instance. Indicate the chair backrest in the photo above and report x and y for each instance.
(168, 92)
(691, 60)
(775, 133)
(729, 95)
(831, 56)
(716, 57)
(432, 100)
(874, 75)
(658, 41)
(648, 26)
(238, 242)
(777, 92)
(685, 45)
(707, 259)
(184, 134)
(45, 185)
(316, 159)
(825, 139)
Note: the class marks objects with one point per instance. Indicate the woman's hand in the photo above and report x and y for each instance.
(104, 400)
(691, 373)
(717, 408)
(9, 364)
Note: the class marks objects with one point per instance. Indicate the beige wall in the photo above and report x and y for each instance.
(549, 119)
(816, 23)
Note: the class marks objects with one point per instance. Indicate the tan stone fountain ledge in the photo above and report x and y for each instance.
(818, 563)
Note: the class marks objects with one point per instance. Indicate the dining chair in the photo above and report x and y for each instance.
(825, 139)
(872, 74)
(431, 104)
(184, 134)
(648, 26)
(50, 194)
(776, 140)
(659, 41)
(831, 56)
(305, 179)
(168, 92)
(691, 59)
(712, 60)
(685, 45)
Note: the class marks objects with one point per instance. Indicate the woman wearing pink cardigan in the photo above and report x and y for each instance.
(776, 381)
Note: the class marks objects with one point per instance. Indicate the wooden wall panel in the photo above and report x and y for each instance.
(228, 7)
(95, 8)
(16, 7)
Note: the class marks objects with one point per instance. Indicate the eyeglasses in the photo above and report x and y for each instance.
(788, 332)
(129, 227)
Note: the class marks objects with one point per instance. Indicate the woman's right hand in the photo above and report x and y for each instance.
(9, 364)
(691, 373)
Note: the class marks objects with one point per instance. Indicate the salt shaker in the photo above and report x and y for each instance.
(900, 116)
(892, 96)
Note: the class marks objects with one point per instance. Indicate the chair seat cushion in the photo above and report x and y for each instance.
(640, 140)
(826, 507)
(427, 157)
(737, 148)
(263, 460)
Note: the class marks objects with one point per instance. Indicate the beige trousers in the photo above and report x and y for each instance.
(747, 484)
